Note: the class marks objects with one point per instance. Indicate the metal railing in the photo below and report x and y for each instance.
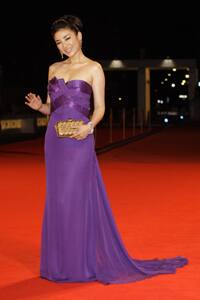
(121, 124)
(118, 124)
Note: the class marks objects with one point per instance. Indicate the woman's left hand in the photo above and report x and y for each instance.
(82, 132)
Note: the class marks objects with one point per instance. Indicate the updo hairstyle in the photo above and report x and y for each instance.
(67, 21)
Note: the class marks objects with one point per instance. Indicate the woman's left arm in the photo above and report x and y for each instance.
(98, 86)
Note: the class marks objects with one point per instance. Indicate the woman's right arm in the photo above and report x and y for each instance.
(45, 108)
(35, 102)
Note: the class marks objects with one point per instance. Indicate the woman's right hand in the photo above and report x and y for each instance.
(33, 101)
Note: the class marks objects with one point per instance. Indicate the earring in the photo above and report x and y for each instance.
(61, 54)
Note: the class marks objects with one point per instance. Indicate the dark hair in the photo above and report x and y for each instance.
(67, 21)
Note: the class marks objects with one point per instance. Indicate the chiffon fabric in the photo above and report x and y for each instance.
(80, 241)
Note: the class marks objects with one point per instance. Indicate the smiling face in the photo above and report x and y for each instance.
(68, 41)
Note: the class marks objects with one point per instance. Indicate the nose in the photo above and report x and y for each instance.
(63, 44)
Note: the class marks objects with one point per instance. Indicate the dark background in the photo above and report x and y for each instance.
(124, 30)
(156, 31)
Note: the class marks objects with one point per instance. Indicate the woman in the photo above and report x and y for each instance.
(80, 240)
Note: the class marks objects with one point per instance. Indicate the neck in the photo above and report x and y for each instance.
(76, 58)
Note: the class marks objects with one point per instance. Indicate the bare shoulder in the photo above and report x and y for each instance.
(96, 70)
(95, 66)
(53, 69)
(97, 75)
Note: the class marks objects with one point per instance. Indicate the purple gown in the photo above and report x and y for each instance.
(80, 241)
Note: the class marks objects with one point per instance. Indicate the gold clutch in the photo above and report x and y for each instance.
(67, 127)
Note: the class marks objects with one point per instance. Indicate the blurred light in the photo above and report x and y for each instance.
(162, 82)
(172, 113)
(160, 101)
(119, 98)
(199, 83)
(116, 63)
(166, 79)
(187, 76)
(174, 69)
(181, 117)
(183, 96)
(173, 85)
(166, 120)
(169, 74)
(168, 63)
(183, 82)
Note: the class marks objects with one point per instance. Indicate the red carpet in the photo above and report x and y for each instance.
(153, 186)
